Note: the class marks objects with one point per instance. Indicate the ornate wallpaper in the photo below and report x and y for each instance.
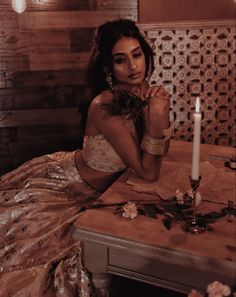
(198, 59)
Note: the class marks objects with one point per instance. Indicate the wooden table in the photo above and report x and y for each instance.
(143, 249)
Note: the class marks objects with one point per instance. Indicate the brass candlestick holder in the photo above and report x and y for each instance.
(194, 226)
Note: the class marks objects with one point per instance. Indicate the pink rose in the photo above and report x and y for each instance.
(130, 210)
(217, 289)
(180, 197)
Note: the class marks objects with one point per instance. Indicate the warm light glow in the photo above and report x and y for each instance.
(18, 5)
(197, 106)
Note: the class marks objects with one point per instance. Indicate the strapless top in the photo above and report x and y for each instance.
(100, 155)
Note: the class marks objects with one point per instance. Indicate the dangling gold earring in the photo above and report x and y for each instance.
(109, 81)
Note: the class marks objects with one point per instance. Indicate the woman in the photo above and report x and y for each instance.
(127, 125)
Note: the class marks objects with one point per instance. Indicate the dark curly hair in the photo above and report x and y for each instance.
(106, 36)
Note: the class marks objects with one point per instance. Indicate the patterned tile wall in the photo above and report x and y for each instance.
(198, 59)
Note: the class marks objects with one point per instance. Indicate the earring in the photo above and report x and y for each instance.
(109, 81)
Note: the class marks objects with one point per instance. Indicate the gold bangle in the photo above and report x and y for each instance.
(152, 145)
(153, 140)
(153, 150)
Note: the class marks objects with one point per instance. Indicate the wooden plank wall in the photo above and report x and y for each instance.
(43, 55)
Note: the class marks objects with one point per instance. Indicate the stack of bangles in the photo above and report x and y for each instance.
(156, 146)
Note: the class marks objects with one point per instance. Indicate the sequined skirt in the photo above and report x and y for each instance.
(39, 203)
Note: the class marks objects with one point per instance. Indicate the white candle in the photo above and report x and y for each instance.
(196, 141)
(18, 5)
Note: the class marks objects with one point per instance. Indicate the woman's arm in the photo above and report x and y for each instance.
(120, 136)
(158, 122)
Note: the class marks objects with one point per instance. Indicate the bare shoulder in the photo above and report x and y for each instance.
(97, 115)
(102, 98)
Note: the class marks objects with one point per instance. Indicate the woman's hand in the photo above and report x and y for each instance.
(159, 100)
(158, 110)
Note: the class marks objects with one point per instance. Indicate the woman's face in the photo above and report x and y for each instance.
(128, 60)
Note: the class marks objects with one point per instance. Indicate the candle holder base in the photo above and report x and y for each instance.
(193, 227)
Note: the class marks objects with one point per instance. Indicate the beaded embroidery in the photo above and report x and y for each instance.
(100, 155)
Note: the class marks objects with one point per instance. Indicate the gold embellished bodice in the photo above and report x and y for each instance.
(100, 155)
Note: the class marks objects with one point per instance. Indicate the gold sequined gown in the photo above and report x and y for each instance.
(39, 203)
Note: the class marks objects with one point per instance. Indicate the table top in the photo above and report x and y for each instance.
(217, 187)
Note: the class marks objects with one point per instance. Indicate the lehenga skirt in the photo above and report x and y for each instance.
(39, 203)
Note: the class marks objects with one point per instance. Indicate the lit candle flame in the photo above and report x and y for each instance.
(18, 6)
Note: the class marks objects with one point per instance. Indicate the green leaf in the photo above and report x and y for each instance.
(209, 228)
(171, 207)
(159, 210)
(150, 210)
(167, 221)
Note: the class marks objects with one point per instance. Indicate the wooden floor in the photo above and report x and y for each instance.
(123, 287)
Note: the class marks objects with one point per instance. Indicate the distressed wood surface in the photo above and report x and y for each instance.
(117, 4)
(38, 5)
(51, 78)
(17, 118)
(81, 39)
(57, 5)
(34, 41)
(40, 97)
(69, 19)
(71, 5)
(44, 139)
(8, 20)
(58, 61)
(14, 63)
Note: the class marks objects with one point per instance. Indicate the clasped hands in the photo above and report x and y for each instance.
(158, 108)
(158, 99)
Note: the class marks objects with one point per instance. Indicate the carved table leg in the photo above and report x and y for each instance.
(101, 282)
(95, 258)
